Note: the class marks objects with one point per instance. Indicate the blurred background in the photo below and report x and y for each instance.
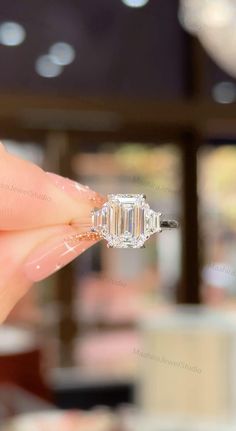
(127, 96)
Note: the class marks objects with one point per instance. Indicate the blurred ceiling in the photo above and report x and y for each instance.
(120, 51)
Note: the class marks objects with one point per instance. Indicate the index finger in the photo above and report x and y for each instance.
(29, 197)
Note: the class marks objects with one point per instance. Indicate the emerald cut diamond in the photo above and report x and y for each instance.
(126, 221)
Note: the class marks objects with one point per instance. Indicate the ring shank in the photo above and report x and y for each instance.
(169, 224)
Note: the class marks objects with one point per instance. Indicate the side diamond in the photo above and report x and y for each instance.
(152, 222)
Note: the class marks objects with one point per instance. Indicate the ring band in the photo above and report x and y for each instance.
(169, 224)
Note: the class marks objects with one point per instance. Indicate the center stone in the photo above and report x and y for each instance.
(126, 221)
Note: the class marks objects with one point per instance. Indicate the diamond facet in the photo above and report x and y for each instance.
(126, 221)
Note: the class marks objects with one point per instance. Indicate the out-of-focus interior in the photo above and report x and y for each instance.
(127, 96)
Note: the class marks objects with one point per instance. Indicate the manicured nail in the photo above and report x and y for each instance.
(69, 186)
(55, 253)
(76, 189)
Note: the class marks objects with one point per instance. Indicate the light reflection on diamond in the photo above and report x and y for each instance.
(126, 221)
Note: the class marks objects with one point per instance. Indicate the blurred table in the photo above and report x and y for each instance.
(100, 419)
(187, 364)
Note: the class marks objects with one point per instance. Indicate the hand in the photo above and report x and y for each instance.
(39, 211)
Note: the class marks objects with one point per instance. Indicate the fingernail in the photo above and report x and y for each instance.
(67, 185)
(54, 254)
(76, 189)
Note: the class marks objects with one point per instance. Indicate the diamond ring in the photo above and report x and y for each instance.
(126, 221)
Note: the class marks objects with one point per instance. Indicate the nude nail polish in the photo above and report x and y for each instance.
(69, 186)
(76, 190)
(55, 253)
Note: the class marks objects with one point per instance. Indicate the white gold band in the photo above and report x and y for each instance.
(169, 224)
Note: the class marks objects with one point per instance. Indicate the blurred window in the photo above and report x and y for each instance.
(217, 194)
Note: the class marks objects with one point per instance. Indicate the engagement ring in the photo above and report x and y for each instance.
(126, 221)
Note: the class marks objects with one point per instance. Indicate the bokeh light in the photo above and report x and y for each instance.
(213, 22)
(218, 13)
(135, 3)
(12, 33)
(46, 67)
(62, 53)
(195, 16)
(224, 92)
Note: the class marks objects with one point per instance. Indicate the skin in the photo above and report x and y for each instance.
(38, 212)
